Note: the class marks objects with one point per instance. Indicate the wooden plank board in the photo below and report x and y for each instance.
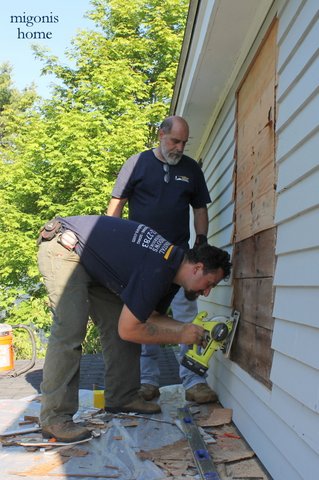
(254, 257)
(251, 350)
(253, 298)
(255, 177)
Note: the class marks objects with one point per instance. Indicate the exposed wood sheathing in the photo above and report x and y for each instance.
(255, 234)
(255, 180)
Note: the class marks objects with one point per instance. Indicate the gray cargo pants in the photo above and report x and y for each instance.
(73, 298)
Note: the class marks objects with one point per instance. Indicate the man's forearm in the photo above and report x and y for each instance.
(158, 329)
(201, 221)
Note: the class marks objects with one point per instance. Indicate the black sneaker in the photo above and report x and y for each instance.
(66, 432)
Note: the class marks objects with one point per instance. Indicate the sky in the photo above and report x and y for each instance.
(59, 32)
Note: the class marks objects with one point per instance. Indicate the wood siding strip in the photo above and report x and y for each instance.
(226, 163)
(288, 338)
(298, 305)
(299, 198)
(306, 426)
(298, 30)
(292, 168)
(297, 92)
(303, 124)
(298, 269)
(296, 379)
(272, 436)
(291, 234)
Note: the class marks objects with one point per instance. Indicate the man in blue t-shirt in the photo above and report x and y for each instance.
(160, 186)
(123, 275)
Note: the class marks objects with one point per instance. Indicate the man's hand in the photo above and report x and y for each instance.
(192, 334)
(200, 240)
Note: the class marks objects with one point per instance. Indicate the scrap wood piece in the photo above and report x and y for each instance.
(76, 475)
(129, 423)
(228, 449)
(246, 469)
(41, 443)
(219, 416)
(174, 468)
(31, 418)
(173, 451)
(168, 458)
(11, 433)
(71, 452)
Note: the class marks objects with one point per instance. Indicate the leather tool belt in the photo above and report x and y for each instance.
(53, 228)
(50, 230)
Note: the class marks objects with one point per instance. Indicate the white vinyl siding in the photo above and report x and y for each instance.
(282, 424)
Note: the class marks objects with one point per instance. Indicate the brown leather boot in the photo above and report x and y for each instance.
(66, 432)
(138, 405)
(148, 391)
(201, 393)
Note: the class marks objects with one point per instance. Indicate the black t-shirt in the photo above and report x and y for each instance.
(162, 205)
(130, 259)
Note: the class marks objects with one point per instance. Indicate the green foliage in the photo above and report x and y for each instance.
(91, 343)
(61, 156)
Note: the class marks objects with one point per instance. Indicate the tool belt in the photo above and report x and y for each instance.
(50, 230)
(53, 228)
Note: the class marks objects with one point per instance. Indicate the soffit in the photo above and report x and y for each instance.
(218, 37)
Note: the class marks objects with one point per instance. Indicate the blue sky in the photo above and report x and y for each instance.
(26, 69)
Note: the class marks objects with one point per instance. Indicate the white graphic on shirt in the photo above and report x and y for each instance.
(148, 238)
(181, 178)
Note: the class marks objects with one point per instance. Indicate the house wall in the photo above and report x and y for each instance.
(281, 423)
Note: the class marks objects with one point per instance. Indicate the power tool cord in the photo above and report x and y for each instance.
(30, 364)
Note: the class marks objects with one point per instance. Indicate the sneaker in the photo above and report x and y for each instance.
(201, 393)
(149, 392)
(139, 405)
(66, 432)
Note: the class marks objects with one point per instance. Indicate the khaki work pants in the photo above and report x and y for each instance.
(73, 298)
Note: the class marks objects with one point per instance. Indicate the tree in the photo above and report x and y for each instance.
(61, 156)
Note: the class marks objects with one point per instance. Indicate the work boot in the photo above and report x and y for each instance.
(201, 393)
(139, 405)
(66, 432)
(148, 391)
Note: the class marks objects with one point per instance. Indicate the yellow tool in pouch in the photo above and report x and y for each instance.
(219, 335)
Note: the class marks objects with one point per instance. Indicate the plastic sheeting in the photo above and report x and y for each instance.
(116, 447)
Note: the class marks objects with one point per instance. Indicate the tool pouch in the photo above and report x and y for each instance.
(68, 240)
(49, 231)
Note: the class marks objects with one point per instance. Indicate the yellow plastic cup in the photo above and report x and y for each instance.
(98, 399)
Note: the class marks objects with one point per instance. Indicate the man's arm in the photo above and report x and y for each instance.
(115, 208)
(200, 225)
(119, 198)
(158, 329)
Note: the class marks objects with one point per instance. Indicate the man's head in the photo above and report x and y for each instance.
(205, 267)
(173, 136)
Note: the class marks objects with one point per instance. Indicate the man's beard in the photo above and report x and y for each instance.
(190, 295)
(170, 157)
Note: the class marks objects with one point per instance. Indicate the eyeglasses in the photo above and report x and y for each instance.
(166, 170)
